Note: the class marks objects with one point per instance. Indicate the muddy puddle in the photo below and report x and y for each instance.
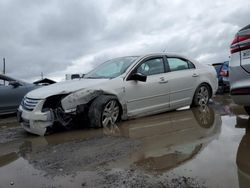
(197, 147)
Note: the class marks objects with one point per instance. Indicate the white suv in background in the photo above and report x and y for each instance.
(239, 74)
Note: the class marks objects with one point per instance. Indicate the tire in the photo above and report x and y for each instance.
(247, 109)
(201, 96)
(104, 111)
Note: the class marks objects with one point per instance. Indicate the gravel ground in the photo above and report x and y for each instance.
(70, 157)
(90, 158)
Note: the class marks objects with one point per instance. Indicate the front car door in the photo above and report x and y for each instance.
(182, 81)
(152, 96)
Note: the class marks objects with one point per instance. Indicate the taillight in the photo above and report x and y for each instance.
(236, 48)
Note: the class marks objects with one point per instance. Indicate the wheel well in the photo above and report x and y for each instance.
(120, 106)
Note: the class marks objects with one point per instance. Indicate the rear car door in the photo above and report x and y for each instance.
(151, 96)
(182, 79)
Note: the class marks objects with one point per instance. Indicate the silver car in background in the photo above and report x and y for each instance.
(239, 74)
(121, 88)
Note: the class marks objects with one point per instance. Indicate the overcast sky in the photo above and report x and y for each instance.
(57, 37)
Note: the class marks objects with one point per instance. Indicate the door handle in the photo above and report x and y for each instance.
(162, 78)
(162, 81)
(195, 75)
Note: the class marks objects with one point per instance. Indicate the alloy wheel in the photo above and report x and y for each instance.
(203, 95)
(110, 113)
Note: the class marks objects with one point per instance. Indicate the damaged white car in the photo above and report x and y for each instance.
(121, 88)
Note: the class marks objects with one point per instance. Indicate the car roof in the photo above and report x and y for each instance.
(162, 53)
(167, 54)
(159, 54)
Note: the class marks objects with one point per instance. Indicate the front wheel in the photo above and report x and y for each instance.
(201, 96)
(247, 109)
(104, 111)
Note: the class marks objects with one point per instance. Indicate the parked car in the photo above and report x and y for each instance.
(12, 92)
(222, 70)
(121, 88)
(240, 68)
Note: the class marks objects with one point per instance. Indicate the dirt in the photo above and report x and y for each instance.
(70, 157)
(136, 178)
(91, 157)
(8, 134)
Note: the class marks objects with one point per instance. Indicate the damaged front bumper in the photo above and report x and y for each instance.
(35, 122)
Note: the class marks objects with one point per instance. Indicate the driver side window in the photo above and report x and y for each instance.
(151, 67)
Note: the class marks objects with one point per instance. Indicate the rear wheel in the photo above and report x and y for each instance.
(104, 111)
(247, 109)
(201, 96)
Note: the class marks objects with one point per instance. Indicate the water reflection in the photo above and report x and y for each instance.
(168, 140)
(224, 105)
(171, 139)
(243, 153)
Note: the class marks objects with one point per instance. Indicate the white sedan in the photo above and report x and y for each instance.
(121, 88)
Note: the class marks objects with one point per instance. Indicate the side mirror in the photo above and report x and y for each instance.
(138, 77)
(14, 84)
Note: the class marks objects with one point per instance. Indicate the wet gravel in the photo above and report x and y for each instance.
(8, 134)
(89, 158)
(137, 178)
(71, 157)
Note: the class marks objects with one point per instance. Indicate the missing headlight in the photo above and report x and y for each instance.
(53, 102)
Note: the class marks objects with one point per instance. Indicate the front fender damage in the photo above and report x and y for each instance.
(73, 105)
(70, 102)
(77, 103)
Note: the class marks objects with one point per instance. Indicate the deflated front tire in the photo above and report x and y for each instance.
(104, 111)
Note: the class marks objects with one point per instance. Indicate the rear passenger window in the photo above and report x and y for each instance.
(176, 64)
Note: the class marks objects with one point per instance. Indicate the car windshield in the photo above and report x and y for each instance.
(112, 68)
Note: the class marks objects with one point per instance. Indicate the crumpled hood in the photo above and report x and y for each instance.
(64, 87)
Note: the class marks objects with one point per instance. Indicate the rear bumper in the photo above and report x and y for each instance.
(35, 122)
